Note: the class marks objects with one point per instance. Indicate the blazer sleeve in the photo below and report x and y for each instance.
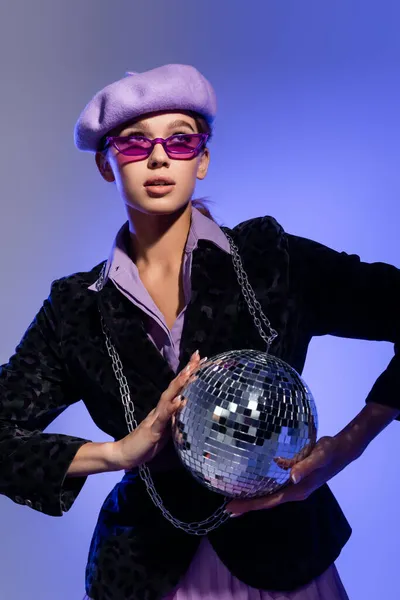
(343, 296)
(34, 389)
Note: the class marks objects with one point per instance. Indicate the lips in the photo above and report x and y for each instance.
(159, 186)
(159, 181)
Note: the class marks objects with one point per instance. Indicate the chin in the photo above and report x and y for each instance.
(160, 206)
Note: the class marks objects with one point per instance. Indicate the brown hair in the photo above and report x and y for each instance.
(201, 203)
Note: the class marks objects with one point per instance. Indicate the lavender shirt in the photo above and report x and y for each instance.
(125, 275)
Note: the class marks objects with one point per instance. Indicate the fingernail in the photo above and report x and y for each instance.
(231, 514)
(195, 355)
(203, 360)
(179, 397)
(295, 478)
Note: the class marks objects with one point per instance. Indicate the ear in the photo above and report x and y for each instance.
(203, 164)
(104, 167)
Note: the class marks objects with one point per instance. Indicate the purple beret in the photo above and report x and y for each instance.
(168, 87)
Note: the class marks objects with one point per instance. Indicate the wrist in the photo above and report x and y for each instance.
(113, 456)
(360, 432)
(117, 459)
(351, 444)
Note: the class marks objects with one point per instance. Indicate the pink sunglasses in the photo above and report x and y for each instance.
(182, 146)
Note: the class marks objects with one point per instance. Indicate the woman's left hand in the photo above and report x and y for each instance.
(329, 456)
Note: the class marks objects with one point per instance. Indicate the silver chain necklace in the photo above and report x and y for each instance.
(219, 516)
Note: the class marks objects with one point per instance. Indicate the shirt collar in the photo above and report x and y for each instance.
(201, 228)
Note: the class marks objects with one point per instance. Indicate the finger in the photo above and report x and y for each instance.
(169, 401)
(168, 414)
(164, 412)
(288, 463)
(320, 456)
(287, 494)
(305, 468)
(178, 434)
(180, 380)
(200, 363)
(284, 463)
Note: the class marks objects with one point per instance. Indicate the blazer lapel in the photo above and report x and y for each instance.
(124, 321)
(211, 316)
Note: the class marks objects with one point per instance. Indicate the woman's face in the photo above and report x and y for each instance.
(132, 178)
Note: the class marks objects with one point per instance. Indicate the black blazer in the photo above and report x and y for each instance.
(305, 288)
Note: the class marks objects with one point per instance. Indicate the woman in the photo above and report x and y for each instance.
(120, 336)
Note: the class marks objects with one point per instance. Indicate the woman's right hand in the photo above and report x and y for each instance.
(143, 443)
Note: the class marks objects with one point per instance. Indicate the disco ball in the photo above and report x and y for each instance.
(244, 409)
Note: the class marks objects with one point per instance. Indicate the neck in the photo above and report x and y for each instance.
(158, 241)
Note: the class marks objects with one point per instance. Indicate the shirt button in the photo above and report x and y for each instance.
(19, 500)
(28, 503)
(38, 506)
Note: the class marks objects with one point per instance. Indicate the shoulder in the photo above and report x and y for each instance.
(74, 286)
(259, 226)
(264, 237)
(262, 233)
(267, 228)
(268, 231)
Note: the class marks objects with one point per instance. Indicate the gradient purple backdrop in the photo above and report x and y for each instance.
(307, 131)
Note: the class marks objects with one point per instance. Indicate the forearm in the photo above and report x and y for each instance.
(369, 422)
(93, 458)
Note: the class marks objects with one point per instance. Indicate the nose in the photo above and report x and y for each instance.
(158, 157)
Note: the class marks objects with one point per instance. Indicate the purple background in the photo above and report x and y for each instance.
(307, 131)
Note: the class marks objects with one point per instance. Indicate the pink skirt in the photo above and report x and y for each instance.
(208, 579)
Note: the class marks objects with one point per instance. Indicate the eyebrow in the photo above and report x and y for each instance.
(177, 123)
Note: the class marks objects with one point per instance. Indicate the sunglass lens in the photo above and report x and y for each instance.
(134, 146)
(184, 145)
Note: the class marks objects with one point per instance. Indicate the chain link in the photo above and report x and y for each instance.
(250, 297)
(219, 516)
